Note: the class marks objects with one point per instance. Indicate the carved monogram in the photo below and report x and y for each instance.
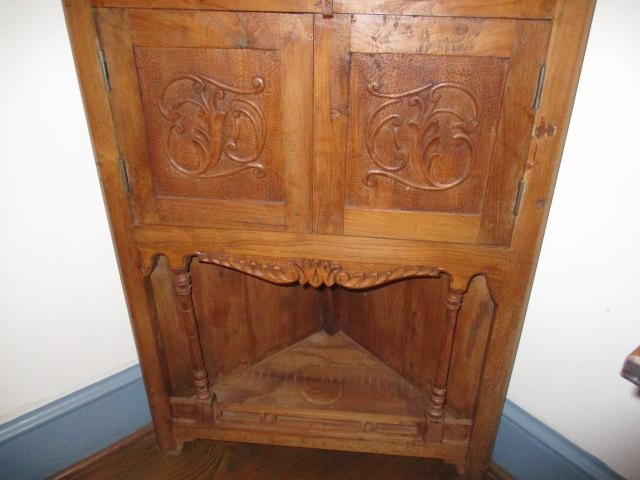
(206, 118)
(318, 272)
(428, 128)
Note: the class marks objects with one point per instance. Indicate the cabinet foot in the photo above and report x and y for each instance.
(172, 450)
(460, 469)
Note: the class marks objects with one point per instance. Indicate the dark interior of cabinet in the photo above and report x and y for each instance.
(351, 353)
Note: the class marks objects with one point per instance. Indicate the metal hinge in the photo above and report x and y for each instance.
(124, 174)
(519, 191)
(104, 69)
(539, 87)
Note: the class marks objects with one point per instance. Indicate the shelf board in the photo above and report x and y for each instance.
(324, 382)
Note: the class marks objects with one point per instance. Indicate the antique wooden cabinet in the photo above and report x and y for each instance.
(327, 213)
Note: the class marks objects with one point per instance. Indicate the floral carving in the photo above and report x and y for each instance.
(317, 273)
(206, 118)
(271, 273)
(435, 137)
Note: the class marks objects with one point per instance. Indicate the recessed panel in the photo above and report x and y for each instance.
(422, 129)
(214, 122)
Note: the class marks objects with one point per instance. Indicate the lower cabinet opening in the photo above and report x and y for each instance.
(285, 362)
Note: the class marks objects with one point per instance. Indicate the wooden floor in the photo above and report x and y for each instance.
(138, 458)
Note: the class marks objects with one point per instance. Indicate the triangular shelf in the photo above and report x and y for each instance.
(324, 382)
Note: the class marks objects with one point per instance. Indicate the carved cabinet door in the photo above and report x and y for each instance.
(427, 124)
(213, 112)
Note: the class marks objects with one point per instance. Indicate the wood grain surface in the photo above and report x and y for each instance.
(205, 459)
(297, 147)
(137, 457)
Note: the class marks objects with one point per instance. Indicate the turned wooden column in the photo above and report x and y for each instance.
(438, 397)
(184, 303)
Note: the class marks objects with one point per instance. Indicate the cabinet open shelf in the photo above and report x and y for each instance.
(285, 363)
(328, 386)
(319, 384)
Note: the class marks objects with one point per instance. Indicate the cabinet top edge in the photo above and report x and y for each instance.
(513, 9)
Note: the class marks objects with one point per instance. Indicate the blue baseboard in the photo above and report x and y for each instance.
(530, 450)
(57, 435)
(48, 439)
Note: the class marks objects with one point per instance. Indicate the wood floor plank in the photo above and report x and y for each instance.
(237, 461)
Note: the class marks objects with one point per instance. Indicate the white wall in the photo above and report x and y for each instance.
(63, 323)
(584, 312)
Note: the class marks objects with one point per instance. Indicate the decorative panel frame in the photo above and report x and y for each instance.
(213, 115)
(436, 150)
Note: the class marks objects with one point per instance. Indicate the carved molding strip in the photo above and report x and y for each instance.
(319, 272)
(206, 116)
(278, 420)
(271, 273)
(444, 116)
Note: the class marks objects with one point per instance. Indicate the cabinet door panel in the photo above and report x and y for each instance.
(439, 121)
(417, 144)
(214, 115)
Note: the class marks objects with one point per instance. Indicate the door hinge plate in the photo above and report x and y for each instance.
(539, 87)
(519, 191)
(125, 175)
(104, 69)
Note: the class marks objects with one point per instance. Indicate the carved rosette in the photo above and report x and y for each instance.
(317, 273)
(424, 132)
(214, 129)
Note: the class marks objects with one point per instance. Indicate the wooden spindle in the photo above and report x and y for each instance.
(438, 398)
(184, 302)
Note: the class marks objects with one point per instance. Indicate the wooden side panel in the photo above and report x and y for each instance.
(172, 337)
(115, 33)
(240, 320)
(472, 332)
(513, 137)
(280, 316)
(83, 36)
(401, 324)
(567, 45)
(243, 319)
